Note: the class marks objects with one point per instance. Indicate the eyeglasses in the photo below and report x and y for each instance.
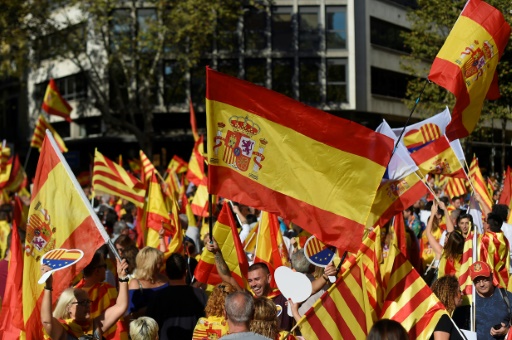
(83, 303)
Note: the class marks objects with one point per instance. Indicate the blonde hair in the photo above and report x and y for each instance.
(66, 297)
(144, 328)
(217, 299)
(149, 262)
(264, 321)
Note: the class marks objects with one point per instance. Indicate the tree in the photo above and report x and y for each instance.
(122, 50)
(431, 22)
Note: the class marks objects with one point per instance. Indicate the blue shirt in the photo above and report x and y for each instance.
(490, 311)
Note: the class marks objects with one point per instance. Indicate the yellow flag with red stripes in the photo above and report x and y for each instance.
(475, 175)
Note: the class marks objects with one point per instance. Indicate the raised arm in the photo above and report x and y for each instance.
(449, 223)
(317, 284)
(50, 324)
(220, 263)
(438, 250)
(113, 313)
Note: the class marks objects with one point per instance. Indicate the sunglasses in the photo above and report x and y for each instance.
(83, 303)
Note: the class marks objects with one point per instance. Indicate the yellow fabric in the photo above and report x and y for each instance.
(148, 169)
(475, 175)
(210, 328)
(39, 133)
(5, 228)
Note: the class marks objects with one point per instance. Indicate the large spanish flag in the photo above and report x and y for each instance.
(60, 216)
(54, 104)
(466, 63)
(273, 153)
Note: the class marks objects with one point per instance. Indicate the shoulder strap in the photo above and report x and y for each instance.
(140, 285)
(504, 295)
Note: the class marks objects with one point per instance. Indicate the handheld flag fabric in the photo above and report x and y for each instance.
(39, 132)
(58, 259)
(273, 153)
(54, 104)
(60, 216)
(318, 253)
(466, 63)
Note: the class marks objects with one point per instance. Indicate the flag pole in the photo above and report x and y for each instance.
(26, 157)
(422, 179)
(210, 220)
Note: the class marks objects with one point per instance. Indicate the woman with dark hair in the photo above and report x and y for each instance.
(448, 291)
(387, 329)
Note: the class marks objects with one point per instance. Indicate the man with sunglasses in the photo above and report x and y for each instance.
(492, 304)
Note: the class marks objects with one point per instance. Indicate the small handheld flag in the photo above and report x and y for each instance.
(58, 259)
(318, 253)
(54, 104)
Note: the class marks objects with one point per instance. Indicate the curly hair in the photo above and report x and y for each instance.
(446, 289)
(264, 321)
(216, 301)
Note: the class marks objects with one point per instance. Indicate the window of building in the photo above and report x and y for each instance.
(282, 76)
(174, 84)
(72, 38)
(228, 66)
(71, 87)
(309, 81)
(121, 29)
(256, 71)
(227, 36)
(389, 83)
(309, 28)
(336, 80)
(336, 27)
(282, 29)
(255, 28)
(146, 17)
(198, 82)
(388, 35)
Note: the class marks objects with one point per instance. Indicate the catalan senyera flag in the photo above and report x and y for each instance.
(226, 234)
(11, 317)
(342, 311)
(455, 187)
(408, 299)
(60, 216)
(438, 158)
(5, 154)
(54, 104)
(195, 172)
(111, 178)
(270, 248)
(148, 169)
(506, 192)
(193, 123)
(494, 249)
(253, 132)
(466, 63)
(39, 133)
(475, 175)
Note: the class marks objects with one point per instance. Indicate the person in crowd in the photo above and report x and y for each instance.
(214, 325)
(493, 311)
(144, 328)
(122, 243)
(177, 307)
(264, 321)
(435, 219)
(130, 255)
(71, 318)
(412, 221)
(386, 329)
(239, 312)
(502, 210)
(465, 225)
(448, 291)
(147, 280)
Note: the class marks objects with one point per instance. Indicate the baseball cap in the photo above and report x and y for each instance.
(479, 268)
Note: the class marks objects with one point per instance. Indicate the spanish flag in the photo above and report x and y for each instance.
(59, 217)
(39, 133)
(438, 158)
(466, 63)
(273, 153)
(226, 235)
(195, 171)
(54, 104)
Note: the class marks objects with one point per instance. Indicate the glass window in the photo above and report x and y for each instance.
(282, 29)
(336, 27)
(146, 18)
(174, 84)
(198, 82)
(121, 29)
(70, 87)
(336, 79)
(228, 66)
(388, 35)
(309, 28)
(282, 76)
(256, 71)
(255, 27)
(389, 83)
(227, 36)
(60, 42)
(309, 81)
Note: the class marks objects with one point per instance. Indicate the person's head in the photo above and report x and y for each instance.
(496, 195)
(493, 223)
(409, 212)
(456, 202)
(387, 329)
(149, 261)
(130, 254)
(501, 210)
(454, 246)
(123, 242)
(144, 328)
(465, 223)
(119, 226)
(73, 303)
(176, 267)
(239, 308)
(259, 278)
(96, 269)
(447, 290)
(481, 275)
(264, 321)
(217, 299)
(300, 263)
